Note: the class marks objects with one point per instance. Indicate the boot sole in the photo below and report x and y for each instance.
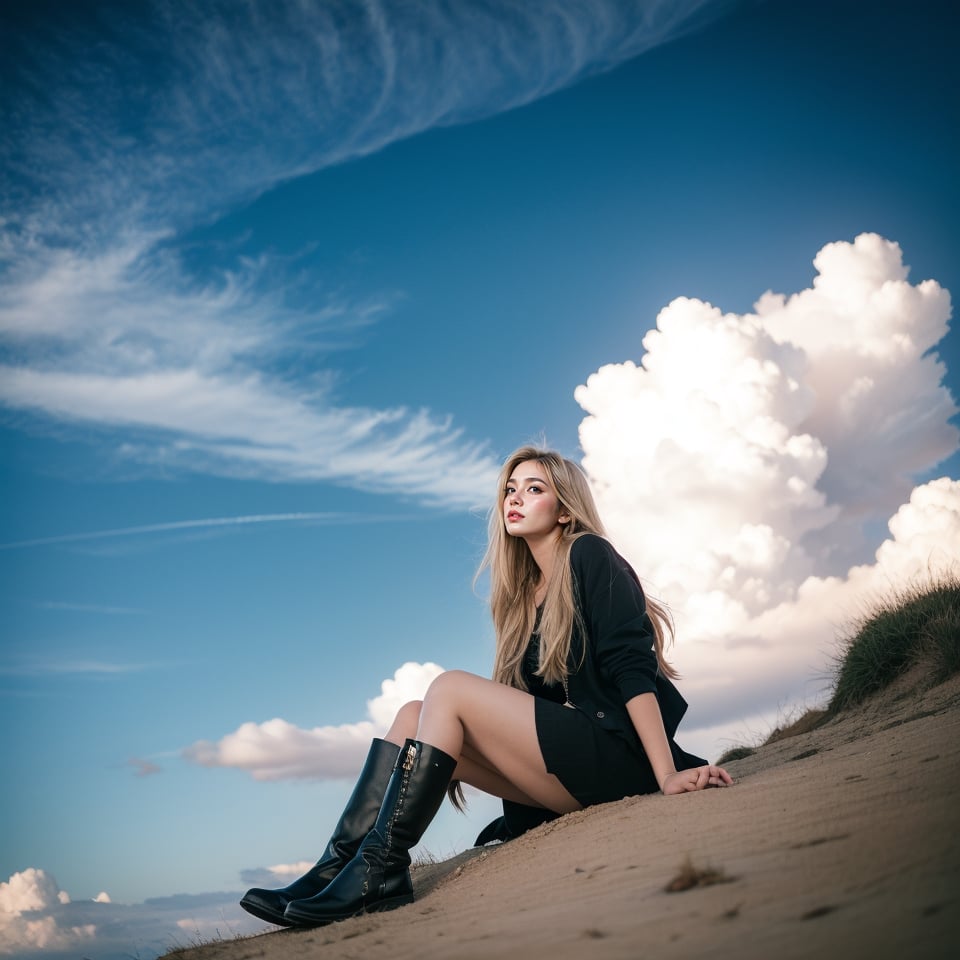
(293, 919)
(262, 913)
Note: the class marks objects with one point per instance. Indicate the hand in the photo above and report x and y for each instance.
(696, 778)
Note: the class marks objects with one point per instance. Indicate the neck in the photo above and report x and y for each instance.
(544, 552)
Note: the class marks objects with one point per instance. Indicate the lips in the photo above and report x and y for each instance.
(514, 515)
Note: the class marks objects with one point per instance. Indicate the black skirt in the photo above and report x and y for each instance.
(594, 764)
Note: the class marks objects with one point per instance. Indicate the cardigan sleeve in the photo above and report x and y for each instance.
(615, 618)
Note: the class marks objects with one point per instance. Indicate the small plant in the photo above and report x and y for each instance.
(690, 876)
(424, 858)
(807, 721)
(736, 753)
(920, 623)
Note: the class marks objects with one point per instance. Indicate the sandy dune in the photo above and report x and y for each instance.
(841, 842)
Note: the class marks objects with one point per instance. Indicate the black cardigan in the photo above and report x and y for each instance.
(616, 660)
(612, 659)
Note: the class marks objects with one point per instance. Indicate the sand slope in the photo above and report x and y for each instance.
(841, 842)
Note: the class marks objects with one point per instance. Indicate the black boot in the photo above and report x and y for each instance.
(358, 817)
(378, 877)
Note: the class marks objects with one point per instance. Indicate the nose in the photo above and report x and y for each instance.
(514, 497)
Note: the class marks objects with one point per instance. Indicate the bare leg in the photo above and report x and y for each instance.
(491, 726)
(467, 726)
(471, 768)
(405, 723)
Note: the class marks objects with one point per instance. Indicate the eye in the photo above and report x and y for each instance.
(508, 489)
(533, 488)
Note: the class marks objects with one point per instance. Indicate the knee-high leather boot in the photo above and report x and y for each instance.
(358, 817)
(378, 877)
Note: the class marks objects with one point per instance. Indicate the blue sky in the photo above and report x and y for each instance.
(278, 289)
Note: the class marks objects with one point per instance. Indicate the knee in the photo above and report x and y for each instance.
(405, 722)
(450, 683)
(409, 713)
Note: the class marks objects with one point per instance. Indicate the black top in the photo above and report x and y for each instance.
(612, 659)
(531, 663)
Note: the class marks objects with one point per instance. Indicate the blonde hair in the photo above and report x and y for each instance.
(514, 576)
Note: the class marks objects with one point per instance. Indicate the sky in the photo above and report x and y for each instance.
(282, 283)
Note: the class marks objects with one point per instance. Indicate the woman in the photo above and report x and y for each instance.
(581, 709)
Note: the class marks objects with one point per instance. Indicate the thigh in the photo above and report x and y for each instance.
(499, 729)
(471, 768)
(479, 773)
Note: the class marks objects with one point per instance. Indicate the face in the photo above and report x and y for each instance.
(530, 505)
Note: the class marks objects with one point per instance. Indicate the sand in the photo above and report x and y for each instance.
(840, 842)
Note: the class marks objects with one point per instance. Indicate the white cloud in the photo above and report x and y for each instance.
(879, 406)
(926, 532)
(117, 151)
(278, 750)
(743, 465)
(290, 87)
(197, 399)
(38, 919)
(25, 922)
(279, 875)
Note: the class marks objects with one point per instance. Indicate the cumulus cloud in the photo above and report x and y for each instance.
(37, 918)
(278, 875)
(279, 750)
(124, 139)
(752, 430)
(744, 463)
(28, 902)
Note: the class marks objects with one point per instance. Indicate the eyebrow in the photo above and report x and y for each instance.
(528, 480)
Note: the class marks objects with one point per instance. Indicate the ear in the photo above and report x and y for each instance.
(563, 518)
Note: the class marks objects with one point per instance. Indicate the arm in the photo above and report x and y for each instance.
(645, 713)
(614, 609)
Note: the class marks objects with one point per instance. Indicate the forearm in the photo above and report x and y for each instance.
(647, 721)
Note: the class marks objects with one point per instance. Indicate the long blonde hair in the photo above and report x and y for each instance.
(514, 576)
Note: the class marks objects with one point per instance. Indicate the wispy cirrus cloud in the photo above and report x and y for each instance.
(143, 767)
(176, 526)
(67, 667)
(93, 608)
(127, 126)
(288, 87)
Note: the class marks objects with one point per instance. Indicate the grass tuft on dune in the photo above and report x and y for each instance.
(919, 624)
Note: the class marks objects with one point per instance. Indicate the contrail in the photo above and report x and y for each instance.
(194, 524)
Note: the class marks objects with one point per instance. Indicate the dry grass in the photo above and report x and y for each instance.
(690, 876)
(920, 623)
